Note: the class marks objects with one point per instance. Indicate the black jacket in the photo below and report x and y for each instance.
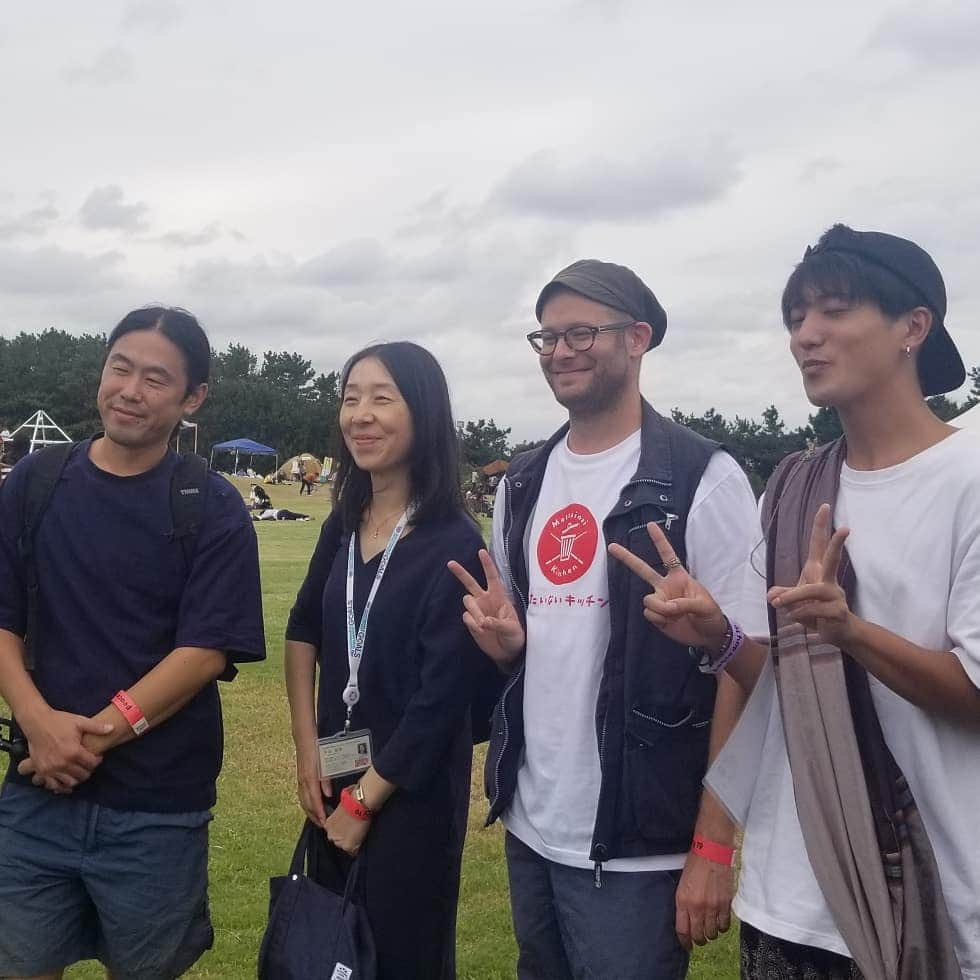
(654, 709)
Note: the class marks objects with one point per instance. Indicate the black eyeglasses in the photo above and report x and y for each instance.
(579, 338)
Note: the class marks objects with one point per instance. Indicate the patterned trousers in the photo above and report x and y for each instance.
(764, 957)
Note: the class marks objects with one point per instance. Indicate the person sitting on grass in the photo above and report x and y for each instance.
(258, 499)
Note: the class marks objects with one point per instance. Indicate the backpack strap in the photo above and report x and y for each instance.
(189, 487)
(188, 496)
(43, 476)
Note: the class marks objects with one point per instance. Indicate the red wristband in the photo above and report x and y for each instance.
(131, 711)
(712, 851)
(354, 808)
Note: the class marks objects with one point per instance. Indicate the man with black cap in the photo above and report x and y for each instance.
(601, 738)
(855, 766)
(865, 313)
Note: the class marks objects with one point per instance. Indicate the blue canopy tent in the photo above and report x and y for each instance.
(244, 447)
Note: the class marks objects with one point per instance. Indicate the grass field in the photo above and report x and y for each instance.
(257, 819)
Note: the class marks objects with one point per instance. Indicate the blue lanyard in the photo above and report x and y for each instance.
(356, 635)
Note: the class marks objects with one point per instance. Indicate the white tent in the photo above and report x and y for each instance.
(970, 419)
(311, 464)
(43, 430)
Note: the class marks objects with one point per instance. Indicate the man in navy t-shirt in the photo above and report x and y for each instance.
(103, 828)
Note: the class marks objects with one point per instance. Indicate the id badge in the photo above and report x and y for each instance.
(345, 753)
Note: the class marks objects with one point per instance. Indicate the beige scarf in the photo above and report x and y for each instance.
(864, 835)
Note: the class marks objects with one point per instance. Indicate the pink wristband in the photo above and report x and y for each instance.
(351, 805)
(131, 711)
(712, 851)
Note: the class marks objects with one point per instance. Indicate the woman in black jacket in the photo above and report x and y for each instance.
(395, 662)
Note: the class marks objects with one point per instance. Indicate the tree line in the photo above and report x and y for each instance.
(283, 402)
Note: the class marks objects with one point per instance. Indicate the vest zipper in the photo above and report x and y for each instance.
(600, 847)
(510, 684)
(503, 745)
(510, 566)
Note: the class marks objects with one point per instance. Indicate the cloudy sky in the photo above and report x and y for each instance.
(313, 176)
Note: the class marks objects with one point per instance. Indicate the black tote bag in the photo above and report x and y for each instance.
(315, 932)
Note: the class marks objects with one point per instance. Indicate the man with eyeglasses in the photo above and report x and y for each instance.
(617, 862)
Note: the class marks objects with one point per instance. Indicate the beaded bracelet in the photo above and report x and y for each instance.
(732, 643)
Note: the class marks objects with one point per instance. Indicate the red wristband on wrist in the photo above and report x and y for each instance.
(354, 808)
(712, 851)
(131, 711)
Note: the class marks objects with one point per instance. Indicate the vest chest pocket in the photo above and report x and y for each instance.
(665, 760)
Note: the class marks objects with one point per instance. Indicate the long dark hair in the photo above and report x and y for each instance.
(181, 328)
(434, 455)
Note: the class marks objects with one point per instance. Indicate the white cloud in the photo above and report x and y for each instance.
(30, 223)
(619, 185)
(110, 67)
(50, 269)
(208, 235)
(105, 208)
(943, 35)
(151, 15)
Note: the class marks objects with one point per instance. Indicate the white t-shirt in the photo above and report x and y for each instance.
(554, 808)
(915, 547)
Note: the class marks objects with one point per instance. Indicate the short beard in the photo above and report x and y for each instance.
(604, 394)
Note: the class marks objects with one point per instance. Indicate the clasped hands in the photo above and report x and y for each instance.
(343, 830)
(58, 758)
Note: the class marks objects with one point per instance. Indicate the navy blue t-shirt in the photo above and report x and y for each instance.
(116, 597)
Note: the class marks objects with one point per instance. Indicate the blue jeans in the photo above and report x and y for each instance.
(79, 881)
(567, 929)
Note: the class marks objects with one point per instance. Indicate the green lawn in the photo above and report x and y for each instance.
(257, 819)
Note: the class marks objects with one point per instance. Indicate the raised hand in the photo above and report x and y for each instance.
(817, 602)
(489, 614)
(679, 605)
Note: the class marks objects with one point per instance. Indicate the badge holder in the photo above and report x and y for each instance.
(347, 753)
(350, 753)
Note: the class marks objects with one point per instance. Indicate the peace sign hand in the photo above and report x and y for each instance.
(817, 602)
(679, 606)
(489, 614)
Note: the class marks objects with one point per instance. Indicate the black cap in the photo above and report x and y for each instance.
(940, 365)
(612, 285)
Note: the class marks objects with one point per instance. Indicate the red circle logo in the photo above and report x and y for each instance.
(567, 544)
